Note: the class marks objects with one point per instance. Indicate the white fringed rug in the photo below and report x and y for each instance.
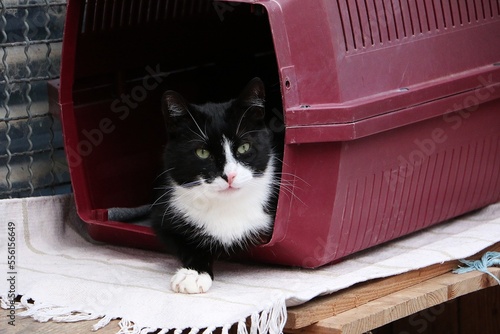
(71, 279)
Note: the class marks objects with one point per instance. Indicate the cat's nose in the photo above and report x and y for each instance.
(229, 177)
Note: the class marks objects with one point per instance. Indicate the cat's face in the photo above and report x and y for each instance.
(224, 149)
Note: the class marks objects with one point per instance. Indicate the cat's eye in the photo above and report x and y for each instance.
(244, 148)
(202, 153)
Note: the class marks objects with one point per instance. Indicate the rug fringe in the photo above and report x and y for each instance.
(271, 320)
(102, 323)
(242, 327)
(46, 312)
(129, 327)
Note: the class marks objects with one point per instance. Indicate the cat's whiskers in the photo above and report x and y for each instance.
(192, 183)
(168, 190)
(193, 196)
(166, 210)
(295, 177)
(253, 105)
(197, 141)
(203, 134)
(203, 137)
(164, 172)
(287, 190)
(171, 214)
(290, 174)
(287, 185)
(248, 132)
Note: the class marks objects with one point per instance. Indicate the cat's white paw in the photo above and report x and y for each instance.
(190, 281)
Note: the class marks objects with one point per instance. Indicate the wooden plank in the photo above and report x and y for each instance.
(387, 309)
(403, 303)
(324, 307)
(334, 304)
(463, 284)
(442, 318)
(28, 325)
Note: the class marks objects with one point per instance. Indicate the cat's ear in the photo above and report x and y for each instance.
(174, 107)
(254, 96)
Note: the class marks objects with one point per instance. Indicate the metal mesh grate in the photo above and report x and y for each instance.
(32, 159)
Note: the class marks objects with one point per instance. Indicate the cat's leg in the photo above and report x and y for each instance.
(196, 274)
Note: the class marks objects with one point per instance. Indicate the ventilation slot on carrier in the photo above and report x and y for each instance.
(370, 23)
(102, 15)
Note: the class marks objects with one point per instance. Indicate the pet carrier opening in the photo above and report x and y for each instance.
(118, 59)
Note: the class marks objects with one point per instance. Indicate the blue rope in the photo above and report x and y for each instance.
(488, 260)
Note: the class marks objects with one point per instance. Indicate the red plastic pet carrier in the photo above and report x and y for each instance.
(391, 109)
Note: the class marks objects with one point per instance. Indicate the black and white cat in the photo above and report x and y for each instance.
(218, 189)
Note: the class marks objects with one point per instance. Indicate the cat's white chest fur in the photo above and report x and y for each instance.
(228, 214)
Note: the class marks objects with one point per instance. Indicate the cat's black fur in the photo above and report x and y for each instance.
(191, 127)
